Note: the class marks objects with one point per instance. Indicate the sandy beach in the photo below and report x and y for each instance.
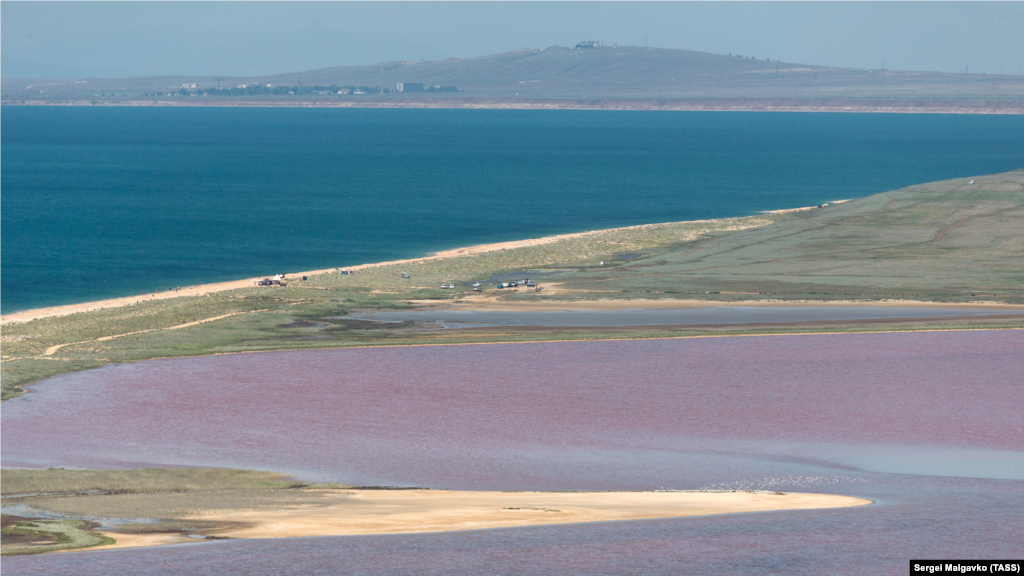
(352, 512)
(484, 301)
(27, 315)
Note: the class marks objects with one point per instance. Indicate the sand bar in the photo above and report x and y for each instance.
(353, 512)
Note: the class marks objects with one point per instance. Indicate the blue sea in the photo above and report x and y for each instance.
(106, 202)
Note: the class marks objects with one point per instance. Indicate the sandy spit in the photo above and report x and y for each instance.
(481, 302)
(202, 289)
(352, 512)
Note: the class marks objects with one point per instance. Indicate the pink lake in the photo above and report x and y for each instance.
(927, 424)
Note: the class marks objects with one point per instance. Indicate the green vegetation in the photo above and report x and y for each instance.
(59, 480)
(306, 314)
(616, 246)
(37, 535)
(946, 241)
(163, 511)
(136, 501)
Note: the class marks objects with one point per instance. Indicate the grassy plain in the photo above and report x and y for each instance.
(145, 480)
(154, 500)
(23, 535)
(154, 493)
(949, 242)
(307, 314)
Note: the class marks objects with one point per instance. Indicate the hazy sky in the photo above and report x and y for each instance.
(77, 39)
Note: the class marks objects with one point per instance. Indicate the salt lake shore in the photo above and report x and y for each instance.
(838, 254)
(352, 512)
(785, 258)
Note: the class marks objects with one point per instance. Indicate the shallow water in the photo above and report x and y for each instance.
(648, 317)
(926, 424)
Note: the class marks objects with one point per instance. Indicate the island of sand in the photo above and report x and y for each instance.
(202, 504)
(353, 512)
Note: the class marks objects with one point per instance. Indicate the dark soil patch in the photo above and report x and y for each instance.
(31, 538)
(371, 325)
(306, 324)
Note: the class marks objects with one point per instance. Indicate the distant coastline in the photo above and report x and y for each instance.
(966, 106)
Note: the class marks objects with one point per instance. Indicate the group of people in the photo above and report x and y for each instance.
(178, 289)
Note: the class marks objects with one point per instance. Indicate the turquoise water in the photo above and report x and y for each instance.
(104, 202)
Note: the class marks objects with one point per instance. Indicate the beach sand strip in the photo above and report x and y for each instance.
(203, 289)
(354, 512)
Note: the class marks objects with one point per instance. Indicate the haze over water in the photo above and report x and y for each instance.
(926, 424)
(104, 202)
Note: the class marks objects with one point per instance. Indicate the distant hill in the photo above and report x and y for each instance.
(607, 73)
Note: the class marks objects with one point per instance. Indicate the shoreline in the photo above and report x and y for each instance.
(202, 289)
(834, 105)
(361, 512)
(483, 302)
(493, 305)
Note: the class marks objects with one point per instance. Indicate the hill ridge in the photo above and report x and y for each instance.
(624, 72)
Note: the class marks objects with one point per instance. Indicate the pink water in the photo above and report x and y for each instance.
(927, 424)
